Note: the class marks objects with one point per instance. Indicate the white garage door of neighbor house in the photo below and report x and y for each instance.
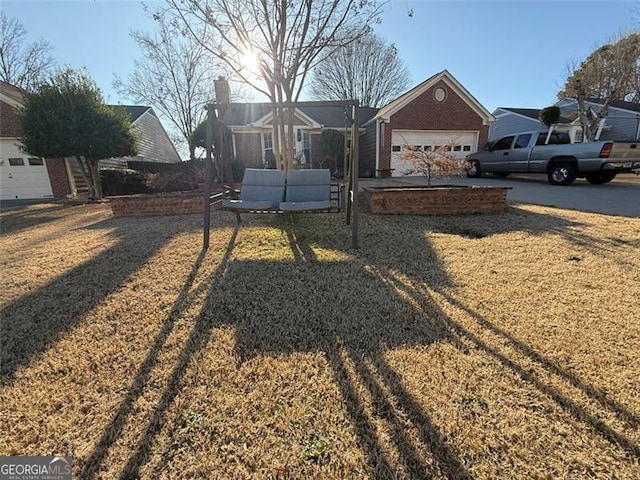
(22, 176)
(463, 143)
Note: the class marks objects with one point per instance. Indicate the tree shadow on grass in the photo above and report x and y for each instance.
(198, 338)
(578, 411)
(535, 224)
(308, 305)
(353, 311)
(32, 323)
(15, 221)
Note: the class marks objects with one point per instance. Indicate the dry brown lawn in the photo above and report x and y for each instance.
(492, 346)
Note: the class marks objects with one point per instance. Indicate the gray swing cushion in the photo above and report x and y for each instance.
(260, 190)
(307, 190)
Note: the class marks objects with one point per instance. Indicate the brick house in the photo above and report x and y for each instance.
(438, 111)
(24, 176)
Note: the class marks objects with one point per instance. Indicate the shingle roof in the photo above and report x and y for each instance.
(534, 114)
(525, 112)
(329, 116)
(134, 111)
(11, 91)
(633, 107)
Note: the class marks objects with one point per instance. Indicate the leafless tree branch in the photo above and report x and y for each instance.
(22, 64)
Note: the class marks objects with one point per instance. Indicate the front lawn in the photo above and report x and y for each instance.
(485, 346)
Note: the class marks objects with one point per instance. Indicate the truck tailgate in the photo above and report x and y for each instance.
(629, 151)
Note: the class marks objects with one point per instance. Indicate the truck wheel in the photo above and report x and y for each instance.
(501, 174)
(562, 174)
(598, 178)
(473, 170)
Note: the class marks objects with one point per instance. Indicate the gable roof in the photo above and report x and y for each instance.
(299, 116)
(134, 111)
(11, 94)
(631, 106)
(243, 114)
(532, 113)
(403, 100)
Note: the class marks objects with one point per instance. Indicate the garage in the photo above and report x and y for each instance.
(462, 143)
(22, 176)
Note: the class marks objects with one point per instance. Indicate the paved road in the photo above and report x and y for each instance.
(619, 197)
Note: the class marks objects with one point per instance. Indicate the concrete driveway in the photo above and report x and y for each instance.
(6, 205)
(619, 197)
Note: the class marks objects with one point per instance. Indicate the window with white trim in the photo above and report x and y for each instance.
(268, 157)
(306, 146)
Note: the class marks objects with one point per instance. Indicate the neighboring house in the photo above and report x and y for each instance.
(514, 120)
(24, 176)
(154, 145)
(621, 123)
(21, 175)
(437, 112)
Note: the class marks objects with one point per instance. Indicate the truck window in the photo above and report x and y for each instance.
(504, 143)
(522, 141)
(556, 138)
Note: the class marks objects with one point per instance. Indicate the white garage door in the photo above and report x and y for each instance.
(462, 144)
(22, 176)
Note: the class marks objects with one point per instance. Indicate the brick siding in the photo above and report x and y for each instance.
(249, 149)
(425, 113)
(160, 204)
(58, 177)
(9, 121)
(437, 201)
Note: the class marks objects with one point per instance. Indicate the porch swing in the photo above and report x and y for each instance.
(284, 191)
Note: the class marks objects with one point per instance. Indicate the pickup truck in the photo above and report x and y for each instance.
(554, 154)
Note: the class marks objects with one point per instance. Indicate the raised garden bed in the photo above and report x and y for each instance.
(437, 200)
(175, 203)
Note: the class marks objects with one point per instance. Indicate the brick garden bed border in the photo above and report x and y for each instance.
(436, 200)
(177, 203)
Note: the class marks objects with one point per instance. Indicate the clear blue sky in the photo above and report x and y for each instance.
(506, 53)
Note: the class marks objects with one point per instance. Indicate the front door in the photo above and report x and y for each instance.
(302, 147)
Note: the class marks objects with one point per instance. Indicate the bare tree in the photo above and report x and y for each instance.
(22, 64)
(368, 70)
(610, 73)
(174, 76)
(273, 44)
